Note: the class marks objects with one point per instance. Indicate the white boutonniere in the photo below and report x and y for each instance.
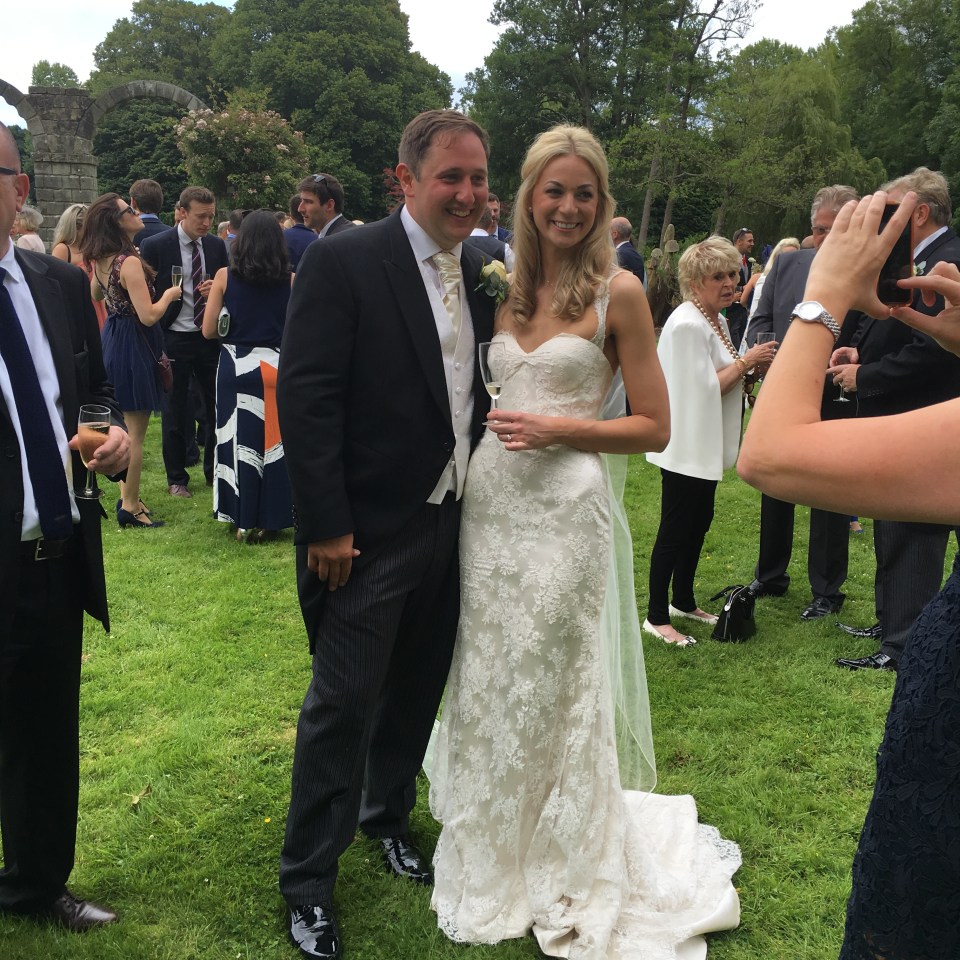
(493, 281)
(918, 268)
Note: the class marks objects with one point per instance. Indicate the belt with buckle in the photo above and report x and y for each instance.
(41, 549)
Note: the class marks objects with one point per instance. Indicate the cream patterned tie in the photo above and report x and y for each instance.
(448, 266)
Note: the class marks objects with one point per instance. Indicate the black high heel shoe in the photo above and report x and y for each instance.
(127, 519)
(143, 508)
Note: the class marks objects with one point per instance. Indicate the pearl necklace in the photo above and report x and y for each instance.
(717, 328)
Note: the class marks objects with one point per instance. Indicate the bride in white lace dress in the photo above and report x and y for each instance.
(545, 721)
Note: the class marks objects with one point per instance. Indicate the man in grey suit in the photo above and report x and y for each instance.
(321, 204)
(51, 564)
(828, 551)
(380, 401)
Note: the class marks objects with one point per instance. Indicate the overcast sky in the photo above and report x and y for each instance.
(68, 31)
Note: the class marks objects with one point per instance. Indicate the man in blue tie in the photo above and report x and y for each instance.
(51, 565)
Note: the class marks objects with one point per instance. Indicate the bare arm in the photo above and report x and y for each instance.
(211, 312)
(904, 467)
(631, 345)
(134, 281)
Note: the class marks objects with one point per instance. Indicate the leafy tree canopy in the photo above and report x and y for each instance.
(47, 74)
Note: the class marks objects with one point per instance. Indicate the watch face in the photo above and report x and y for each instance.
(808, 310)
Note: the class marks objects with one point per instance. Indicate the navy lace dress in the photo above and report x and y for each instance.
(131, 349)
(905, 903)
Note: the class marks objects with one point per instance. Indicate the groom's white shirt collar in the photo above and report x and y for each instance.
(424, 246)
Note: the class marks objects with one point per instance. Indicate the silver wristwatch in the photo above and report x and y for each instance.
(812, 311)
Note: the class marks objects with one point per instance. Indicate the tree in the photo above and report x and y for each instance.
(249, 157)
(137, 141)
(343, 72)
(47, 74)
(162, 40)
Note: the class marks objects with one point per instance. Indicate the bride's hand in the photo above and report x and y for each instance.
(517, 430)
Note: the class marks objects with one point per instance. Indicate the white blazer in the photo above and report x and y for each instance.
(704, 426)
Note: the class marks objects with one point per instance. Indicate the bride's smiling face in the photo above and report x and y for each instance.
(565, 201)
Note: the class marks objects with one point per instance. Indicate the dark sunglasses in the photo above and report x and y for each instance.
(9, 172)
(125, 211)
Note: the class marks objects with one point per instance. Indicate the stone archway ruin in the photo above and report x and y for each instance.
(62, 123)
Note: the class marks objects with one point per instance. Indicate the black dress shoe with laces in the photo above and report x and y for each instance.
(403, 859)
(876, 661)
(314, 932)
(78, 915)
(760, 589)
(819, 608)
(874, 633)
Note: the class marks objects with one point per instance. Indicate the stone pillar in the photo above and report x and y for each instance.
(64, 166)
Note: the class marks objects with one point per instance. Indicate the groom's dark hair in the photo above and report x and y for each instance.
(421, 132)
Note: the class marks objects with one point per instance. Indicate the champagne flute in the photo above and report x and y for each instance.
(176, 276)
(491, 380)
(766, 337)
(843, 398)
(93, 426)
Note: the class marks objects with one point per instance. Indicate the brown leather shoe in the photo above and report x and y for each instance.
(179, 490)
(79, 915)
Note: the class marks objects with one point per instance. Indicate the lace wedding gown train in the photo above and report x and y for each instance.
(537, 830)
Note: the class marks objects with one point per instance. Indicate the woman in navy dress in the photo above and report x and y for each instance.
(905, 902)
(132, 340)
(252, 490)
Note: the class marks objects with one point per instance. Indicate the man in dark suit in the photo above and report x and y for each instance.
(829, 532)
(51, 564)
(199, 255)
(738, 311)
(321, 204)
(299, 236)
(627, 255)
(380, 402)
(893, 369)
(501, 233)
(146, 198)
(483, 238)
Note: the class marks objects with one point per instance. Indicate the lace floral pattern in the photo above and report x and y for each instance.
(537, 832)
(905, 903)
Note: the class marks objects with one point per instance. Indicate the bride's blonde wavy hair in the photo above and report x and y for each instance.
(584, 275)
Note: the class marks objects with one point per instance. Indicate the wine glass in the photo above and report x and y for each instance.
(843, 398)
(491, 380)
(176, 276)
(93, 426)
(768, 336)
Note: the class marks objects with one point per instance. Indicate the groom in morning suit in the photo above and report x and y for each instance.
(380, 401)
(190, 246)
(51, 565)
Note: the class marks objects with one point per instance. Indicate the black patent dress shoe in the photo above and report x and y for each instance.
(78, 915)
(875, 632)
(876, 661)
(314, 932)
(403, 859)
(760, 589)
(819, 608)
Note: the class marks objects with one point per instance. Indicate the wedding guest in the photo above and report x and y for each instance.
(132, 341)
(66, 246)
(706, 376)
(251, 488)
(29, 222)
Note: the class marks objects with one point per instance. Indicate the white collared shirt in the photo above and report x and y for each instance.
(329, 224)
(457, 355)
(184, 322)
(16, 285)
(923, 244)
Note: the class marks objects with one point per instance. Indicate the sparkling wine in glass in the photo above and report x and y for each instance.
(491, 380)
(176, 276)
(843, 398)
(93, 425)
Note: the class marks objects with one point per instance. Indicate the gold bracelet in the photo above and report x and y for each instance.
(743, 365)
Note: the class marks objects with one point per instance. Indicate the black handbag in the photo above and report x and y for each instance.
(735, 621)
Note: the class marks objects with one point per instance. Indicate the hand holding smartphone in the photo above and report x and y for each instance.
(898, 265)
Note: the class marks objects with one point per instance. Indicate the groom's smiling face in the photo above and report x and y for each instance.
(450, 192)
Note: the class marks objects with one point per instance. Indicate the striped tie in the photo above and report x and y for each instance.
(197, 274)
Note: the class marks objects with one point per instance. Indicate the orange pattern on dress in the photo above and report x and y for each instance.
(271, 420)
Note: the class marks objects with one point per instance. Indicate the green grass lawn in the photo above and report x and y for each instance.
(189, 710)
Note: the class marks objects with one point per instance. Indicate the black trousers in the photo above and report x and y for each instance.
(910, 559)
(39, 733)
(383, 645)
(191, 353)
(686, 512)
(827, 554)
